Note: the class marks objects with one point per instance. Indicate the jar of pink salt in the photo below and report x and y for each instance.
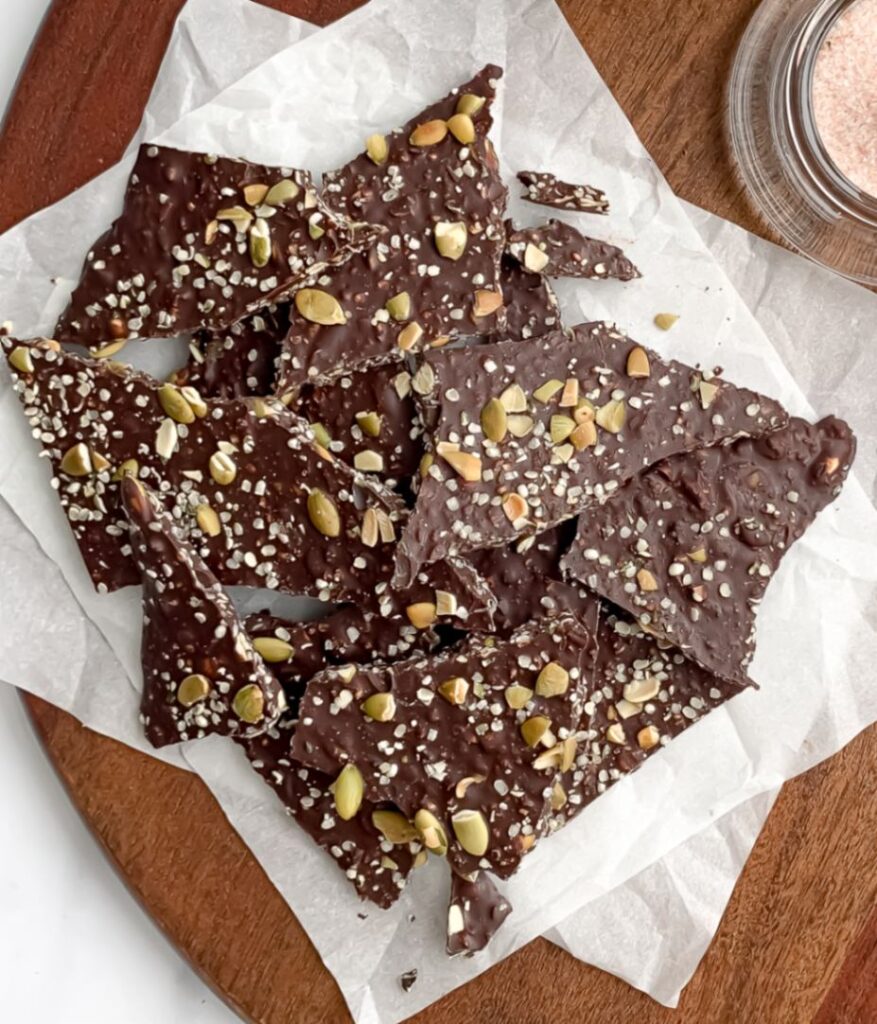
(802, 120)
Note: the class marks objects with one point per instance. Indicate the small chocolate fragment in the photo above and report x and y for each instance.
(408, 979)
(690, 546)
(262, 503)
(476, 912)
(531, 306)
(547, 190)
(201, 674)
(527, 434)
(559, 250)
(201, 241)
(477, 736)
(442, 203)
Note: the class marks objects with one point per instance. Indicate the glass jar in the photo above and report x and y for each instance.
(774, 138)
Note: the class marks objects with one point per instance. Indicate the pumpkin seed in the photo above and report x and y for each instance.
(612, 415)
(552, 681)
(315, 229)
(394, 827)
(323, 514)
(369, 532)
(569, 397)
(665, 320)
(109, 350)
(450, 238)
(260, 243)
(368, 461)
(428, 133)
(425, 464)
(545, 392)
(20, 359)
(272, 649)
(486, 302)
(626, 709)
(281, 192)
(193, 689)
(222, 468)
(399, 306)
(172, 402)
(470, 104)
(708, 392)
(321, 435)
(568, 755)
(77, 461)
(348, 791)
(445, 603)
(421, 615)
(648, 737)
(615, 733)
(237, 215)
(520, 426)
(584, 412)
(514, 506)
(409, 336)
(432, 832)
(208, 520)
(698, 555)
(381, 707)
(646, 580)
(533, 729)
(584, 436)
(319, 307)
(196, 402)
(249, 704)
(130, 467)
(560, 428)
(517, 696)
(211, 231)
(424, 380)
(254, 194)
(465, 464)
(471, 831)
(454, 690)
(535, 259)
(641, 690)
(369, 423)
(562, 454)
(513, 399)
(638, 363)
(558, 797)
(377, 148)
(494, 421)
(462, 128)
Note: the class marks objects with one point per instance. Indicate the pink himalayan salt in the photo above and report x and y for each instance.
(845, 95)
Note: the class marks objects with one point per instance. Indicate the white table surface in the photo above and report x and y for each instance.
(75, 948)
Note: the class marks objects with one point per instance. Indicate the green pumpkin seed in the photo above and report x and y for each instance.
(471, 831)
(281, 192)
(518, 697)
(20, 359)
(323, 514)
(208, 520)
(552, 681)
(193, 689)
(348, 791)
(260, 243)
(174, 405)
(432, 832)
(399, 306)
(77, 461)
(273, 649)
(450, 238)
(319, 307)
(377, 148)
(380, 707)
(494, 420)
(394, 827)
(249, 704)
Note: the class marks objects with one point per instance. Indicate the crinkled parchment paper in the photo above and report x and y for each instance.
(311, 104)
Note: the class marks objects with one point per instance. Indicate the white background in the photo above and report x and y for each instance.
(75, 948)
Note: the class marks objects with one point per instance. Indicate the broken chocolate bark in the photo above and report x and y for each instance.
(475, 913)
(528, 434)
(261, 502)
(559, 250)
(467, 742)
(377, 867)
(547, 190)
(201, 241)
(201, 674)
(690, 546)
(435, 186)
(531, 307)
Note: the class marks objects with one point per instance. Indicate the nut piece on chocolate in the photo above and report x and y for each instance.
(530, 433)
(434, 185)
(201, 241)
(201, 674)
(262, 503)
(531, 307)
(377, 867)
(476, 912)
(467, 743)
(690, 547)
(560, 250)
(547, 190)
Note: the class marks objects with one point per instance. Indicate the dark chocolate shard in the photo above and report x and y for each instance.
(201, 674)
(201, 241)
(370, 420)
(377, 868)
(531, 307)
(260, 501)
(547, 190)
(442, 204)
(690, 546)
(528, 434)
(470, 740)
(476, 912)
(240, 361)
(560, 250)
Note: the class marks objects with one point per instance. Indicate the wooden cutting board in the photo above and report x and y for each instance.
(799, 941)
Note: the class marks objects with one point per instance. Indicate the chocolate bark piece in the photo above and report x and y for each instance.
(690, 546)
(201, 674)
(560, 250)
(371, 421)
(263, 504)
(442, 203)
(645, 694)
(476, 912)
(377, 868)
(574, 414)
(470, 743)
(531, 307)
(547, 190)
(201, 241)
(240, 361)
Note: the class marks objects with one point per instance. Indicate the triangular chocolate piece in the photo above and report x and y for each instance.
(558, 249)
(476, 912)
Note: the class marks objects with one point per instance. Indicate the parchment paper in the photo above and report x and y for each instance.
(670, 252)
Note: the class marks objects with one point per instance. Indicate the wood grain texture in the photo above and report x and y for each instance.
(799, 941)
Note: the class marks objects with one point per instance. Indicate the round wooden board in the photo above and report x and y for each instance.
(799, 940)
